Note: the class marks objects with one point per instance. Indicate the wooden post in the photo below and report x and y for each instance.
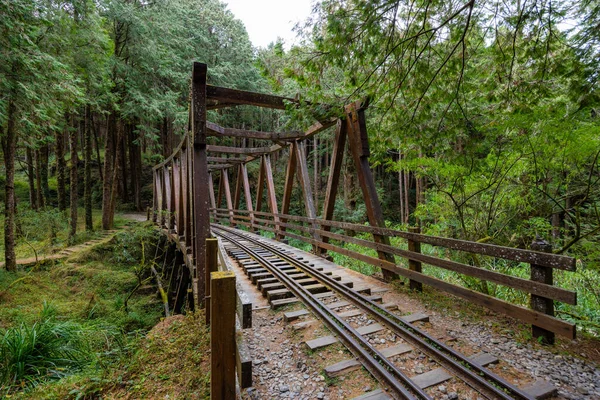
(199, 180)
(211, 194)
(227, 189)
(155, 197)
(222, 336)
(247, 193)
(538, 303)
(212, 249)
(412, 264)
(359, 145)
(271, 197)
(261, 184)
(238, 189)
(333, 181)
(289, 186)
(304, 179)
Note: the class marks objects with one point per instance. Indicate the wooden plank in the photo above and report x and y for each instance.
(321, 342)
(238, 150)
(226, 160)
(377, 394)
(198, 108)
(271, 197)
(540, 389)
(222, 336)
(415, 317)
(260, 185)
(289, 182)
(212, 249)
(211, 193)
(539, 288)
(396, 350)
(243, 362)
(227, 189)
(439, 375)
(337, 158)
(294, 315)
(529, 316)
(234, 96)
(303, 177)
(540, 303)
(247, 193)
(359, 147)
(217, 130)
(238, 188)
(492, 250)
(342, 367)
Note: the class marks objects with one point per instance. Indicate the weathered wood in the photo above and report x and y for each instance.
(412, 264)
(359, 147)
(233, 96)
(271, 197)
(247, 193)
(180, 222)
(303, 177)
(201, 199)
(222, 336)
(528, 316)
(540, 389)
(238, 188)
(217, 130)
(243, 362)
(539, 303)
(227, 189)
(377, 394)
(226, 160)
(339, 145)
(211, 193)
(212, 248)
(289, 183)
(415, 317)
(260, 185)
(238, 150)
(243, 302)
(538, 288)
(492, 250)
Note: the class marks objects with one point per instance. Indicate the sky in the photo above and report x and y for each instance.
(265, 20)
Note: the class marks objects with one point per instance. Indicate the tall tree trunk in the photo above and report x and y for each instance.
(61, 168)
(316, 170)
(44, 150)
(38, 180)
(124, 171)
(9, 148)
(109, 158)
(93, 126)
(73, 136)
(87, 178)
(400, 187)
(117, 167)
(135, 167)
(31, 179)
(406, 176)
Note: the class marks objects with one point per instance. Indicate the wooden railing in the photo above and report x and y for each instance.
(540, 287)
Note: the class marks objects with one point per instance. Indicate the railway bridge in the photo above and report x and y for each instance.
(232, 254)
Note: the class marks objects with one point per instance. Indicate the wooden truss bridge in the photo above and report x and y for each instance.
(185, 205)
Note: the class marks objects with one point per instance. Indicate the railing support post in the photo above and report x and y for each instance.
(538, 303)
(412, 264)
(212, 248)
(222, 336)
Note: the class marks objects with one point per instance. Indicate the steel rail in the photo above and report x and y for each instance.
(475, 375)
(371, 358)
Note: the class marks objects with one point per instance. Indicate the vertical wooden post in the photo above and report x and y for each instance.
(238, 189)
(335, 169)
(289, 185)
(155, 197)
(261, 184)
(200, 180)
(359, 146)
(271, 197)
(212, 248)
(304, 179)
(178, 197)
(211, 194)
(222, 336)
(227, 189)
(247, 193)
(220, 192)
(538, 303)
(173, 198)
(415, 265)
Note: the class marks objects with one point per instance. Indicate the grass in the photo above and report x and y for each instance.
(67, 323)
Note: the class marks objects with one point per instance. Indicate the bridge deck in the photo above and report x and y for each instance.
(360, 281)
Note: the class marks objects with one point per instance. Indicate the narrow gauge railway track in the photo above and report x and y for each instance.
(401, 386)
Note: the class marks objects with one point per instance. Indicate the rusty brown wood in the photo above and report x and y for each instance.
(239, 150)
(261, 184)
(173, 212)
(528, 316)
(238, 188)
(200, 181)
(185, 166)
(178, 198)
(359, 147)
(539, 303)
(168, 197)
(227, 189)
(220, 193)
(217, 130)
(155, 196)
(304, 179)
(212, 249)
(247, 193)
(271, 196)
(226, 160)
(161, 196)
(335, 169)
(414, 265)
(233, 96)
(289, 182)
(211, 191)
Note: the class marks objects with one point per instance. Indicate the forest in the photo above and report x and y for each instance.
(483, 120)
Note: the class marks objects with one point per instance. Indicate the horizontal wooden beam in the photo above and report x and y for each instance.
(238, 150)
(217, 130)
(235, 160)
(234, 97)
(214, 167)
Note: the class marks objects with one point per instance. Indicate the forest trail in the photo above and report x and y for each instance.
(66, 252)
